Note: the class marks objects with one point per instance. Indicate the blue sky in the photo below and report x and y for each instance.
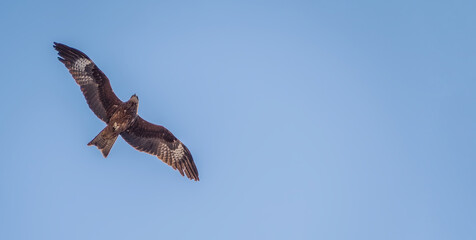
(306, 120)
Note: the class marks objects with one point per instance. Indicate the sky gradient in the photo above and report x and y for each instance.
(306, 120)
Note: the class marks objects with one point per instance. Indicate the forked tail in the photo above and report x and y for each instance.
(104, 140)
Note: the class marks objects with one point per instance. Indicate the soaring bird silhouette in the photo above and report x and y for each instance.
(121, 117)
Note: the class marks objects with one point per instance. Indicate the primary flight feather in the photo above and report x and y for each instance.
(121, 117)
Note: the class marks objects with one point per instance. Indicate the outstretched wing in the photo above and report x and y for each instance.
(157, 140)
(94, 84)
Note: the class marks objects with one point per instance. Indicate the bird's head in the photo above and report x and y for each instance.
(134, 99)
(133, 104)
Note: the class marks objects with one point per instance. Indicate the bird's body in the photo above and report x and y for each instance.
(121, 117)
(124, 115)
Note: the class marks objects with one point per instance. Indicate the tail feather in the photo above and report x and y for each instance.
(104, 141)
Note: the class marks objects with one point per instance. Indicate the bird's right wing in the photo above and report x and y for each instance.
(94, 84)
(157, 140)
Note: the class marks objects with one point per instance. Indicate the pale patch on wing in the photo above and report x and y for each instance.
(81, 64)
(177, 154)
(83, 77)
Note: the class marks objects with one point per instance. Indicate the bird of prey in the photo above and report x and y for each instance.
(121, 117)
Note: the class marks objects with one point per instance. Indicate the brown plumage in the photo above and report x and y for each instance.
(121, 117)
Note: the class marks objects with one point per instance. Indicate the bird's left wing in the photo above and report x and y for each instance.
(94, 84)
(157, 140)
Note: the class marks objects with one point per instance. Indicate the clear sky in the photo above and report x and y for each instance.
(306, 120)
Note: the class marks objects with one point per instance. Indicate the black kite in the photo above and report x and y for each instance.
(121, 117)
